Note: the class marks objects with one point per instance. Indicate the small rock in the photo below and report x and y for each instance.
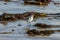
(12, 30)
(19, 24)
(5, 3)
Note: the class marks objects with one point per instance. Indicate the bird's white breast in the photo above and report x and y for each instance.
(30, 18)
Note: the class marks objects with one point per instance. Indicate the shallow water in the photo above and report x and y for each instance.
(19, 33)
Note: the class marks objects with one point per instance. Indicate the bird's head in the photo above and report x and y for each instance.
(31, 13)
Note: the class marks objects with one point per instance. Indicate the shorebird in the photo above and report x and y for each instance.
(30, 17)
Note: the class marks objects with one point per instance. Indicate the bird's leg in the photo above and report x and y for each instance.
(29, 23)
